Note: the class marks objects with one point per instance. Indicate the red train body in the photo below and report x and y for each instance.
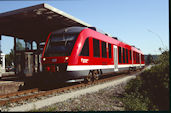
(80, 52)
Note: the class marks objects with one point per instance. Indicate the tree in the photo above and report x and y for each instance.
(9, 58)
(149, 59)
(19, 46)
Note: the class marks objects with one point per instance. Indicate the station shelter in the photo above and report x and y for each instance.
(30, 27)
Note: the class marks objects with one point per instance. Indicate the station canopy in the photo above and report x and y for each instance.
(34, 23)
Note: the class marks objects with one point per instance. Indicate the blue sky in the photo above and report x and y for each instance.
(143, 23)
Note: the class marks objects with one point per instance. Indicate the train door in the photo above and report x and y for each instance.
(115, 51)
(140, 59)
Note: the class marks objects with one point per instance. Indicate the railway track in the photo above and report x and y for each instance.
(35, 93)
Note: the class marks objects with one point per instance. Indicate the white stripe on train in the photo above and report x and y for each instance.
(91, 67)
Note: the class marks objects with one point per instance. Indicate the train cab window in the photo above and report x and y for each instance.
(130, 55)
(120, 55)
(85, 49)
(96, 49)
(123, 55)
(60, 45)
(110, 54)
(104, 51)
(126, 55)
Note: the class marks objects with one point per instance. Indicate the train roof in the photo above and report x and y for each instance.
(75, 29)
(115, 41)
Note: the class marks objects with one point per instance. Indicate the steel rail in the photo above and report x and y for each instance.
(19, 93)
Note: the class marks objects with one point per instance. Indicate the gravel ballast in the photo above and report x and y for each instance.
(103, 100)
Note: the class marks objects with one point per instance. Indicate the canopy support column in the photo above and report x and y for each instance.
(38, 55)
(15, 67)
(0, 46)
(0, 57)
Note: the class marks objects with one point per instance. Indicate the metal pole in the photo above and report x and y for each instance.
(15, 70)
(0, 45)
(31, 42)
(0, 57)
(33, 54)
(38, 55)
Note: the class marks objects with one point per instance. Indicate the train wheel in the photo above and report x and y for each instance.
(89, 77)
(96, 74)
(129, 71)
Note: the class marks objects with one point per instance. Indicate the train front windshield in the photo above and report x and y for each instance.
(60, 45)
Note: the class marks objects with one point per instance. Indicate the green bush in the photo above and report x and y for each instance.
(135, 102)
(150, 90)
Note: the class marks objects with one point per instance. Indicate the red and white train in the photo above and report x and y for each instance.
(77, 53)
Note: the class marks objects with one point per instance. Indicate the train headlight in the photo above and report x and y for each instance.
(44, 59)
(66, 59)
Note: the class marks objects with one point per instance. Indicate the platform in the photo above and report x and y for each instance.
(9, 86)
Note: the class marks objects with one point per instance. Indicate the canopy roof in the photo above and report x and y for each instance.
(35, 22)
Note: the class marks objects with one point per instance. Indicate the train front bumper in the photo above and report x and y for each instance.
(60, 72)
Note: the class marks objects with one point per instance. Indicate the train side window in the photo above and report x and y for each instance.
(137, 57)
(130, 55)
(143, 58)
(104, 52)
(96, 49)
(126, 55)
(123, 55)
(120, 55)
(110, 54)
(85, 49)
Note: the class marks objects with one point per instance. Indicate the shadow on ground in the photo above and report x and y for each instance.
(44, 81)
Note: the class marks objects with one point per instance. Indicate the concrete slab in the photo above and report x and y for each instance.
(9, 86)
